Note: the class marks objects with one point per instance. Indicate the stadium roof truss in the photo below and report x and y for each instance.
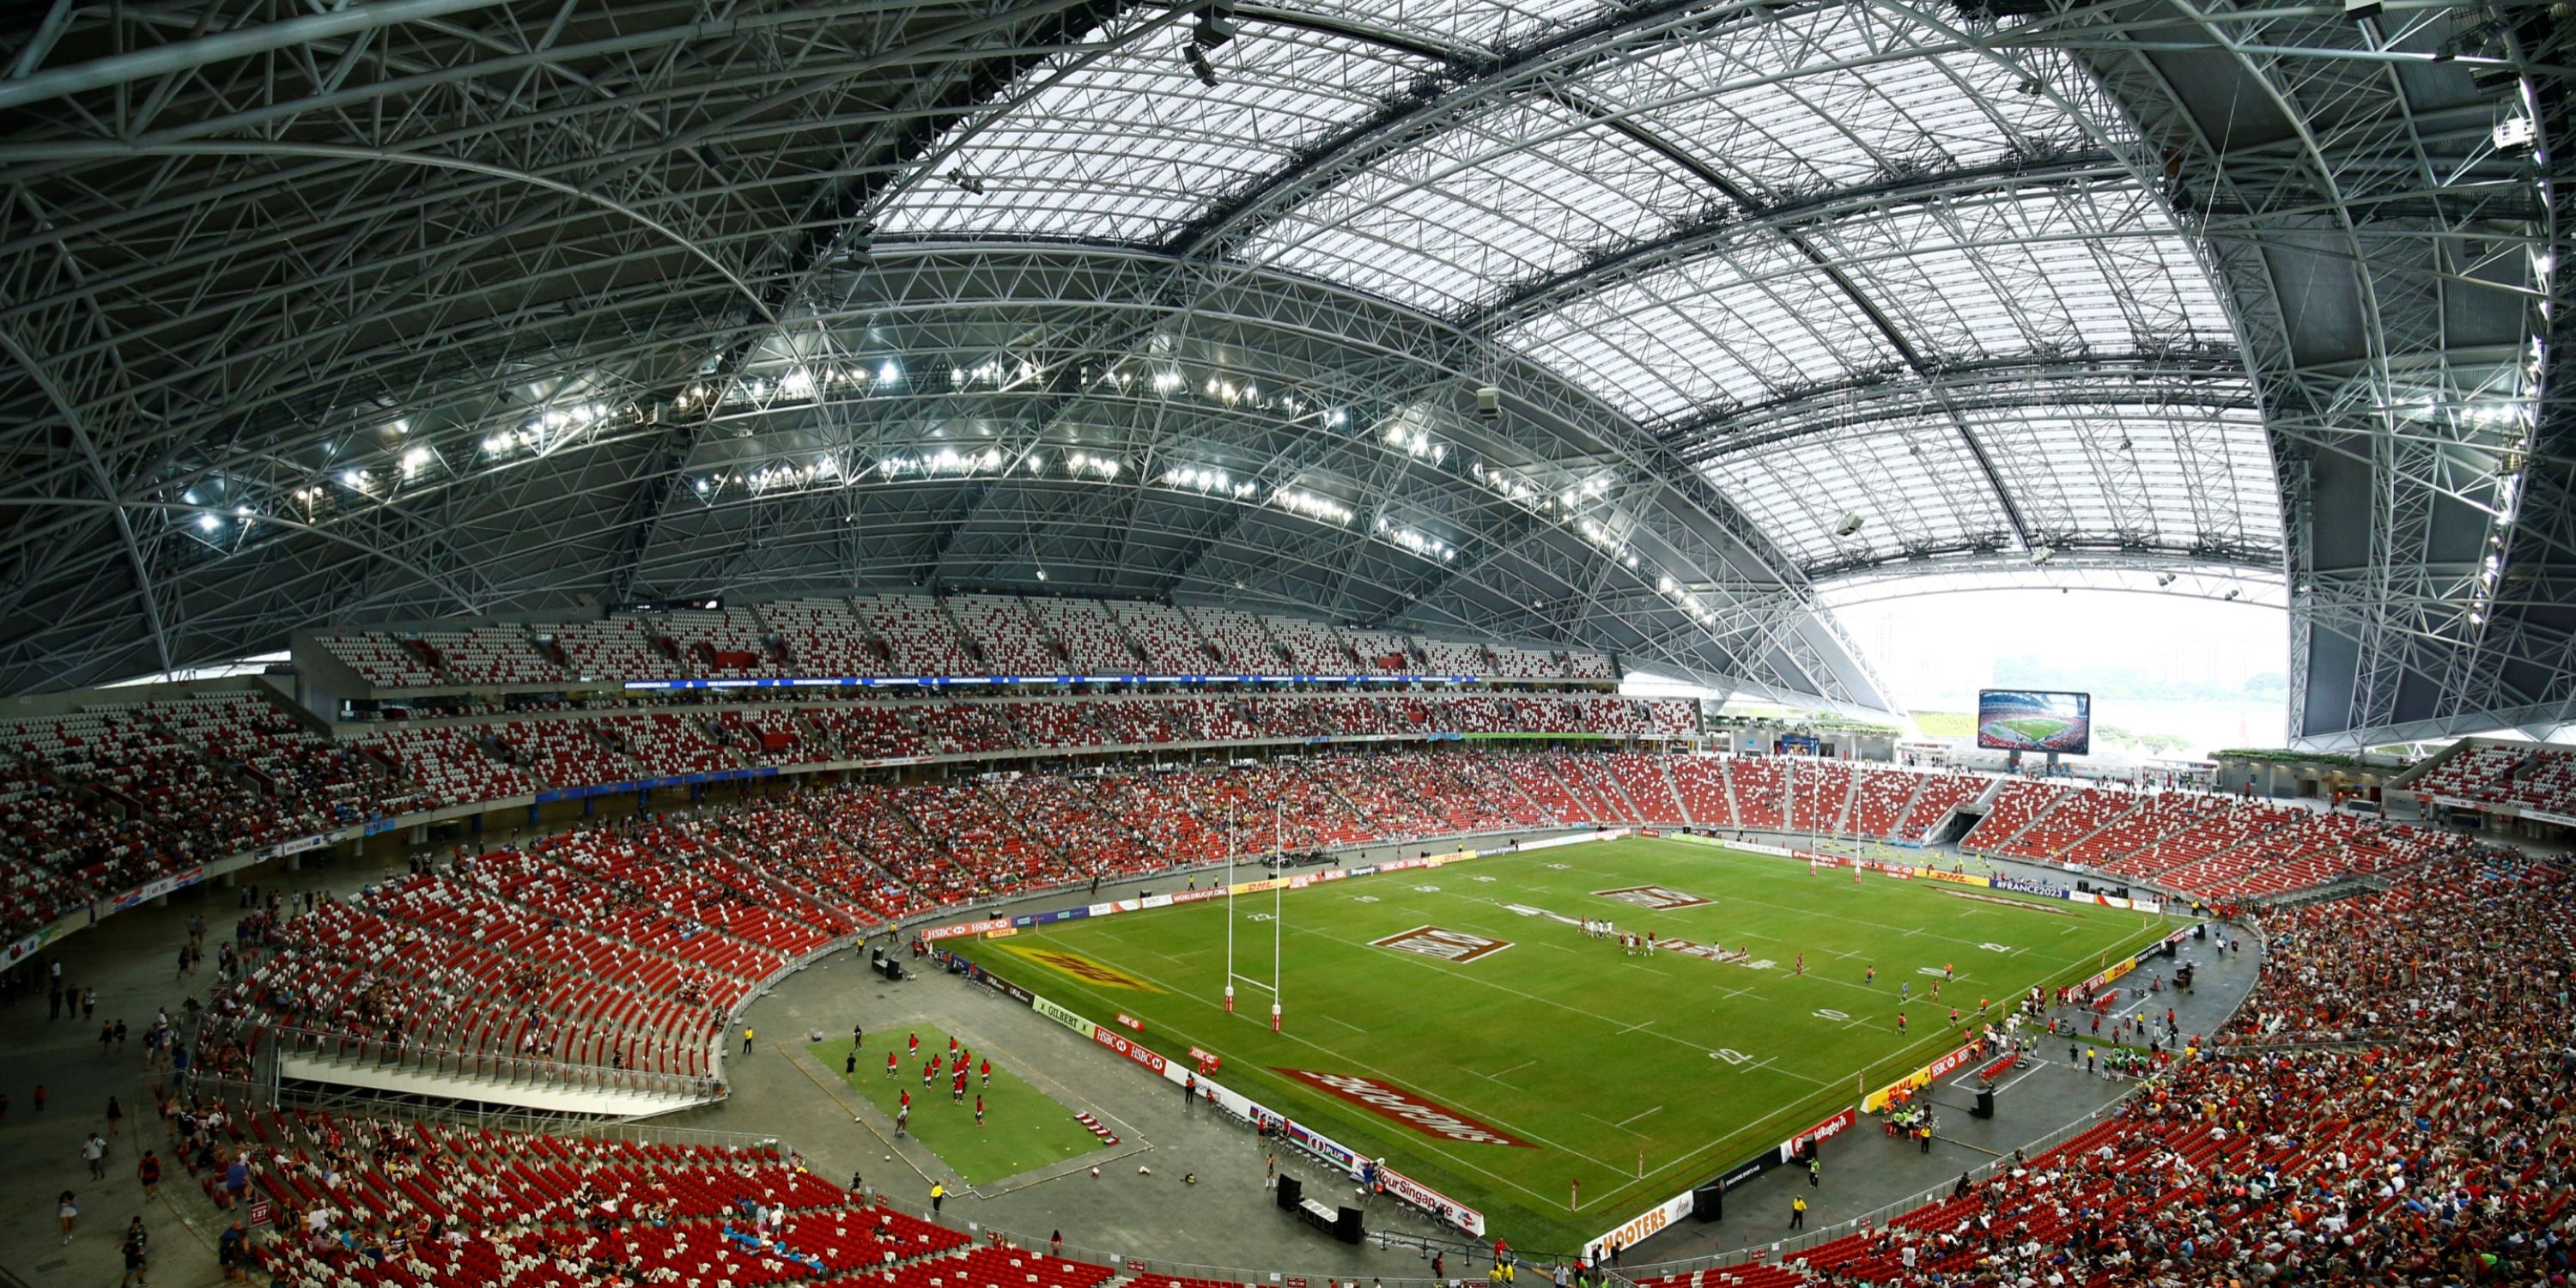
(423, 308)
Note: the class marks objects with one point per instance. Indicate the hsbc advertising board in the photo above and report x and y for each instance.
(1136, 1051)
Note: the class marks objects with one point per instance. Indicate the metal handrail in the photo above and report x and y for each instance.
(513, 1070)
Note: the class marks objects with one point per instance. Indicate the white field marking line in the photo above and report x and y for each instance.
(1434, 1147)
(1771, 1063)
(1516, 1068)
(1340, 1021)
(1622, 1123)
(1634, 1027)
(2035, 1066)
(1416, 959)
(1797, 911)
(1614, 1126)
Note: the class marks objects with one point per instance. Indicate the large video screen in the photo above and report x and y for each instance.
(2035, 720)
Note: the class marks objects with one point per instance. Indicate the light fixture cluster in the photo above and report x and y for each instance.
(1416, 443)
(1578, 507)
(1322, 509)
(1212, 482)
(1419, 543)
(1686, 600)
(548, 430)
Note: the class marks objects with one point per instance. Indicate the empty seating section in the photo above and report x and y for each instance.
(383, 661)
(862, 730)
(310, 782)
(800, 846)
(2317, 849)
(1879, 801)
(2012, 809)
(764, 735)
(614, 648)
(2539, 778)
(1443, 657)
(1313, 648)
(2077, 815)
(1672, 717)
(964, 823)
(1517, 663)
(1242, 647)
(2128, 822)
(732, 642)
(1171, 645)
(1089, 634)
(451, 764)
(381, 1203)
(870, 815)
(1067, 818)
(824, 638)
(1700, 783)
(1819, 790)
(2473, 773)
(900, 635)
(1166, 812)
(1384, 652)
(960, 728)
(491, 655)
(1004, 635)
(1583, 665)
(663, 744)
(564, 753)
(2218, 824)
(1590, 781)
(1648, 788)
(1939, 794)
(1373, 789)
(1759, 787)
(917, 636)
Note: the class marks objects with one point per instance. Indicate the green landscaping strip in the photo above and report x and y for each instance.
(1024, 1128)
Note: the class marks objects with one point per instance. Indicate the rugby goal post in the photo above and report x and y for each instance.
(1278, 908)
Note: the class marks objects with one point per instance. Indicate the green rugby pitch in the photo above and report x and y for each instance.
(1590, 1059)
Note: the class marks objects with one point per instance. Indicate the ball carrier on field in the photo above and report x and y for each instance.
(1278, 906)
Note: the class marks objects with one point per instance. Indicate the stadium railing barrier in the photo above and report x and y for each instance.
(507, 1070)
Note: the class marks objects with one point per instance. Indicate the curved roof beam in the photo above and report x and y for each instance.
(2137, 378)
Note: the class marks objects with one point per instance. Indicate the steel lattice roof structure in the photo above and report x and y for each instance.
(383, 310)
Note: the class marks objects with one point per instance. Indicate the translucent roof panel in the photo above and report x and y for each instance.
(1518, 192)
(2085, 269)
(1913, 478)
(1825, 99)
(1129, 145)
(2178, 474)
(1736, 326)
(2171, 476)
(1483, 24)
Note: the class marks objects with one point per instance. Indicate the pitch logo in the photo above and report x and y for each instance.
(1407, 1108)
(1653, 898)
(1447, 945)
(1081, 967)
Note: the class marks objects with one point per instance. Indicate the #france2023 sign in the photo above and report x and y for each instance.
(1457, 946)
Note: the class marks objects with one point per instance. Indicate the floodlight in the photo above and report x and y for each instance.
(2041, 554)
(1198, 60)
